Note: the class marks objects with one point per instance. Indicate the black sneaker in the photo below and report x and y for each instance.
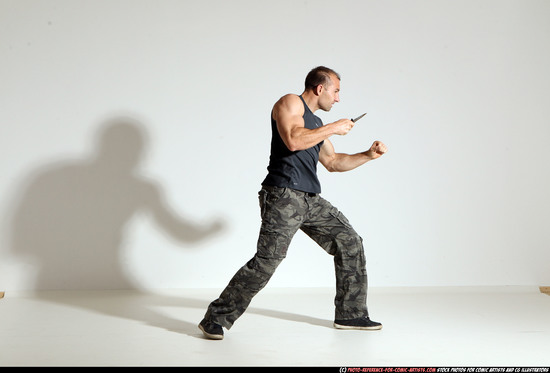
(362, 323)
(211, 330)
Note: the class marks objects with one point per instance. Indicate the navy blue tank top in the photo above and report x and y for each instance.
(298, 169)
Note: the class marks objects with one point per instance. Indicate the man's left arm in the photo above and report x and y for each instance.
(340, 162)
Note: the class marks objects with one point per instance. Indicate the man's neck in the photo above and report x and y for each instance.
(311, 100)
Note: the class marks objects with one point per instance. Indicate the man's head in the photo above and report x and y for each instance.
(324, 83)
(121, 144)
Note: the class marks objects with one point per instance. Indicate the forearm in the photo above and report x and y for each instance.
(303, 138)
(346, 162)
(339, 162)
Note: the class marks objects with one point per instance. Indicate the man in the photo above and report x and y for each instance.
(290, 200)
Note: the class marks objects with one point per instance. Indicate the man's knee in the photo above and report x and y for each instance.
(349, 244)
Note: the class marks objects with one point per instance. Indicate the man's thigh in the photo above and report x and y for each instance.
(330, 228)
(282, 212)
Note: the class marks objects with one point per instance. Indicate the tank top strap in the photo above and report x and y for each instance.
(305, 105)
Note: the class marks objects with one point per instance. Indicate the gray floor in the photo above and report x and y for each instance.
(283, 327)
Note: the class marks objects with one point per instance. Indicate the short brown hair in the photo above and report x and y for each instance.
(319, 75)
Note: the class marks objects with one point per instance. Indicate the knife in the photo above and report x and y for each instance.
(359, 117)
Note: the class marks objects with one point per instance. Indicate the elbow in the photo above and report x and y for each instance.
(293, 146)
(330, 167)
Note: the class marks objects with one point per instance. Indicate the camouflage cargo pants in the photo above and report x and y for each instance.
(284, 211)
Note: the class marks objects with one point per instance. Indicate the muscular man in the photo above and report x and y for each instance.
(290, 200)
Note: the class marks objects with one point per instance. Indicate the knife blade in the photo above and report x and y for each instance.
(359, 117)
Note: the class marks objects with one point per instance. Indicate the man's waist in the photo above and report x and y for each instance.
(276, 189)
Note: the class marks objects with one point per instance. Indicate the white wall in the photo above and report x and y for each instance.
(458, 90)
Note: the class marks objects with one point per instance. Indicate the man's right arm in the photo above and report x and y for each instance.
(288, 113)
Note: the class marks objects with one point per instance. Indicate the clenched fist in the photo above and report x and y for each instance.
(377, 150)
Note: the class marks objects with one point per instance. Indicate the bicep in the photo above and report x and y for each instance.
(288, 114)
(327, 155)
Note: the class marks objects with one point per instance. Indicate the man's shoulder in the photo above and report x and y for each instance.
(290, 102)
(291, 96)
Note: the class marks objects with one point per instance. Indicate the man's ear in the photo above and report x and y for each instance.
(318, 90)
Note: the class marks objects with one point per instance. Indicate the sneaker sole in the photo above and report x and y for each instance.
(211, 336)
(348, 327)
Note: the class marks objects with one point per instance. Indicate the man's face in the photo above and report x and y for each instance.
(330, 94)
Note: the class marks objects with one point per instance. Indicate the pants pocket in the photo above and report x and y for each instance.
(268, 196)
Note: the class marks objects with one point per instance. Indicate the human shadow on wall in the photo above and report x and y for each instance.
(70, 223)
(70, 220)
